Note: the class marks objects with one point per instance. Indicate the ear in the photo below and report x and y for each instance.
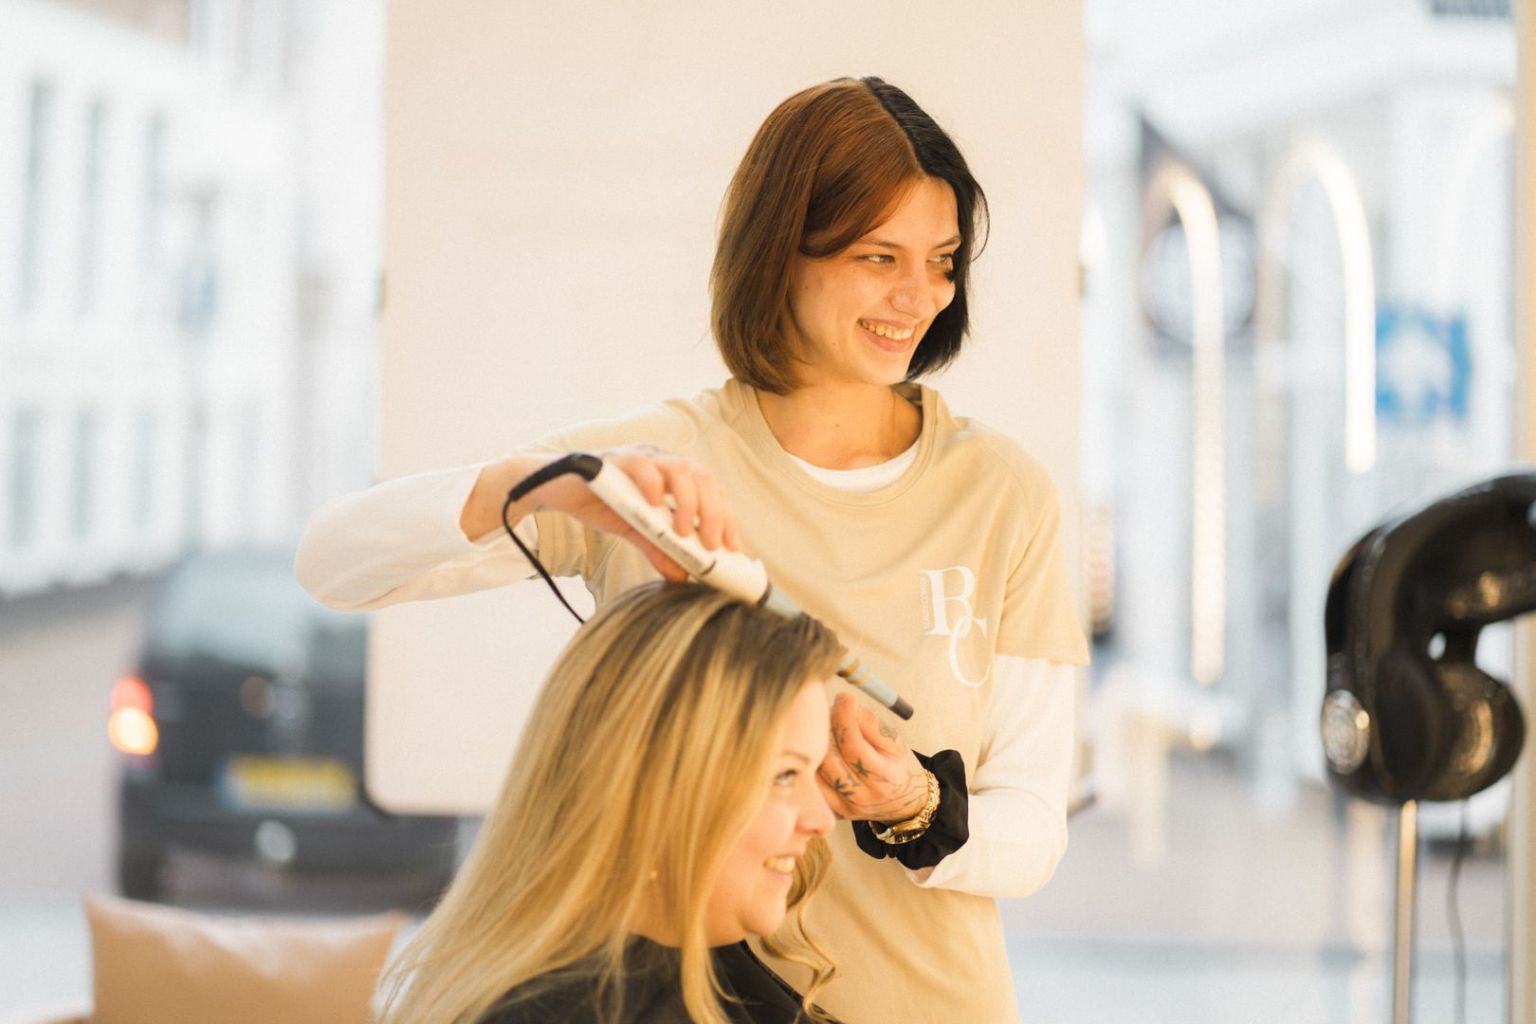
(1414, 724)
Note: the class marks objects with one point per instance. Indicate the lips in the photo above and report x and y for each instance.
(780, 866)
(887, 337)
(889, 331)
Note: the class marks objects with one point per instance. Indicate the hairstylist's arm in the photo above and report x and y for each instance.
(439, 533)
(872, 777)
(700, 504)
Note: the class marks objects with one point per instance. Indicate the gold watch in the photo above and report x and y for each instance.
(914, 827)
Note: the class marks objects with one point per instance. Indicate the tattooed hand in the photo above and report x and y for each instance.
(869, 774)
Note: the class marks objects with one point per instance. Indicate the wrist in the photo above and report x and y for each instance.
(913, 807)
(949, 830)
(481, 514)
(912, 827)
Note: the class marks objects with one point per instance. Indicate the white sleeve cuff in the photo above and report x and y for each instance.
(1018, 791)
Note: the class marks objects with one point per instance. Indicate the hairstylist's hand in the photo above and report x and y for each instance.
(869, 774)
(700, 503)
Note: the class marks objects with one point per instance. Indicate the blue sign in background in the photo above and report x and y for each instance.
(1423, 365)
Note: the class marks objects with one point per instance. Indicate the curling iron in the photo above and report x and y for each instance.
(728, 571)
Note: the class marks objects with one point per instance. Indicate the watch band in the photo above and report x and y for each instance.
(914, 827)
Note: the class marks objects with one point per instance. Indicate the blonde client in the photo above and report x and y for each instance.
(662, 807)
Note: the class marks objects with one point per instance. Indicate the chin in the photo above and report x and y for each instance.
(885, 377)
(766, 923)
(894, 373)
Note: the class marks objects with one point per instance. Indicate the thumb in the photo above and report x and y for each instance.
(882, 738)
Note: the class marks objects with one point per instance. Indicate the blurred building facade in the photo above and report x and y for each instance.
(188, 275)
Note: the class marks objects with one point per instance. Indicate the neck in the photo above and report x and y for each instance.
(841, 426)
(649, 923)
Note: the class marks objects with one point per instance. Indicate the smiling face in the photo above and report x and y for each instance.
(860, 313)
(750, 894)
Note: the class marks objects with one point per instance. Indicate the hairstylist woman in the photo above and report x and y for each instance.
(926, 540)
(662, 806)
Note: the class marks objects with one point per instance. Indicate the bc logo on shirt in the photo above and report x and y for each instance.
(947, 611)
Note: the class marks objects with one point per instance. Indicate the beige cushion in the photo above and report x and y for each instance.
(160, 965)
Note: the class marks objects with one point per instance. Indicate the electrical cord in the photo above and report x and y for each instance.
(1453, 914)
(538, 478)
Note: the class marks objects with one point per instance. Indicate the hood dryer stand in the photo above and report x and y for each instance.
(1402, 936)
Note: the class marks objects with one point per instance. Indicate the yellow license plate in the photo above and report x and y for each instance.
(289, 783)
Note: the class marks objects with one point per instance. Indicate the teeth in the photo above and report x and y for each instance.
(783, 865)
(886, 332)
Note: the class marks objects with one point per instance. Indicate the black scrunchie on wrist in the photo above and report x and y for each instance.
(947, 832)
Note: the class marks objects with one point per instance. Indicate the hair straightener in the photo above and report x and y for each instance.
(728, 571)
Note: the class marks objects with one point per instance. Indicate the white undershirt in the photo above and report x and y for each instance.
(865, 478)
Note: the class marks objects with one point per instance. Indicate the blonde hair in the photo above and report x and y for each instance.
(644, 756)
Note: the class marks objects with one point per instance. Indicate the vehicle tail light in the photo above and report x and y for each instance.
(133, 692)
(131, 726)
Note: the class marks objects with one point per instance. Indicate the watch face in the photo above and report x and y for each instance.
(1346, 731)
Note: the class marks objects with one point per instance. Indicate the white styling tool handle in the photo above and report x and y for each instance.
(723, 569)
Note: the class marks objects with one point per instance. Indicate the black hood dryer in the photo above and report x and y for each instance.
(1409, 715)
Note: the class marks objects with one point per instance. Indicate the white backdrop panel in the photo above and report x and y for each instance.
(553, 177)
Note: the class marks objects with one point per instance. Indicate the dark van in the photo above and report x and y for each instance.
(240, 733)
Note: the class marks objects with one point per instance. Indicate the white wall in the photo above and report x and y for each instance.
(552, 187)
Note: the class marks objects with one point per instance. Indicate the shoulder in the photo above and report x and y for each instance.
(675, 425)
(647, 1000)
(760, 989)
(570, 1002)
(988, 456)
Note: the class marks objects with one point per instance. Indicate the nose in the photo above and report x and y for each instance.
(816, 815)
(915, 295)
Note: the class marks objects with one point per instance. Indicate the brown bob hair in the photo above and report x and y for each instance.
(827, 166)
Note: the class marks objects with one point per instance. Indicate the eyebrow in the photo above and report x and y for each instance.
(883, 244)
(795, 754)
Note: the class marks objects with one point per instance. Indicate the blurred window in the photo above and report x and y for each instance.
(154, 187)
(199, 297)
(275, 616)
(91, 202)
(1471, 8)
(86, 476)
(26, 431)
(145, 440)
(201, 26)
(34, 203)
(247, 39)
(250, 463)
(283, 48)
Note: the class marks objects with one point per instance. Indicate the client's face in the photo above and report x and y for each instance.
(749, 896)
